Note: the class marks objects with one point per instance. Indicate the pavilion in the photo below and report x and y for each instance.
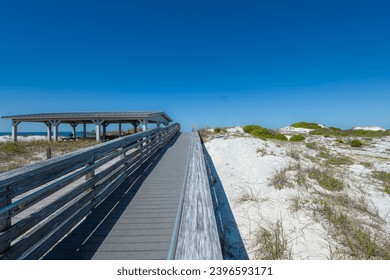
(100, 119)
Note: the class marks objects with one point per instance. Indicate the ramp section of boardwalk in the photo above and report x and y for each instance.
(138, 220)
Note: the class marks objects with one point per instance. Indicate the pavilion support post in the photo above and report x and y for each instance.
(74, 126)
(120, 129)
(135, 127)
(48, 125)
(104, 125)
(15, 130)
(85, 130)
(98, 124)
(158, 124)
(144, 124)
(55, 124)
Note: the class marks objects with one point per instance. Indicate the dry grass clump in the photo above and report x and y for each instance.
(271, 243)
(384, 177)
(281, 180)
(15, 155)
(357, 240)
(249, 196)
(294, 154)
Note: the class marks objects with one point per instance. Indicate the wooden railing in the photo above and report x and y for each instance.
(41, 203)
(197, 236)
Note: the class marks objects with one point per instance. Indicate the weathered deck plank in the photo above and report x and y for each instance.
(141, 229)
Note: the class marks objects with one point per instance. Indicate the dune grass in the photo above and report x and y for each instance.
(15, 155)
(384, 177)
(358, 241)
(271, 243)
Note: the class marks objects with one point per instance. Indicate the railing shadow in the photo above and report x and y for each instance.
(84, 241)
(232, 245)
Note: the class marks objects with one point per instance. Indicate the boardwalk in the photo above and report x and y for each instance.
(136, 222)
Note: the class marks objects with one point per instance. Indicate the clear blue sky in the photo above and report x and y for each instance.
(208, 63)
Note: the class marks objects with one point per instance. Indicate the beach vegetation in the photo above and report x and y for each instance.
(306, 125)
(280, 179)
(358, 241)
(349, 132)
(10, 148)
(219, 130)
(325, 179)
(281, 137)
(294, 154)
(15, 155)
(259, 132)
(205, 134)
(297, 138)
(270, 243)
(339, 160)
(384, 177)
(356, 143)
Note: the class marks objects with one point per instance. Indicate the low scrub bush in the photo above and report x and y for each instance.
(259, 132)
(281, 137)
(356, 143)
(218, 130)
(306, 125)
(297, 138)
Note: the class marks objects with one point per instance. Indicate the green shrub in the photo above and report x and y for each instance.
(311, 145)
(335, 128)
(356, 143)
(306, 125)
(340, 141)
(259, 132)
(297, 138)
(218, 130)
(281, 137)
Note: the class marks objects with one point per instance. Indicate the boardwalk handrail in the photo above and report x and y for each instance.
(30, 234)
(197, 237)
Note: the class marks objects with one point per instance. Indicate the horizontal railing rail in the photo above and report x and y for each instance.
(41, 203)
(196, 237)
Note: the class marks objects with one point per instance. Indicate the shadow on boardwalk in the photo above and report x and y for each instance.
(231, 242)
(84, 241)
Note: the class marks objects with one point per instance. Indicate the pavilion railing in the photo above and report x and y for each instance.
(41, 203)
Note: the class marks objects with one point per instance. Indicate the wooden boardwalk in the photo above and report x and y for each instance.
(137, 221)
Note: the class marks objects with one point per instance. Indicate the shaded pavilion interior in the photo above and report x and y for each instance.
(100, 119)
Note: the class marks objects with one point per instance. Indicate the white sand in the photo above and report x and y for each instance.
(245, 166)
(294, 130)
(370, 128)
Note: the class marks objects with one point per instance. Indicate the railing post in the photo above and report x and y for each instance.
(5, 224)
(92, 173)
